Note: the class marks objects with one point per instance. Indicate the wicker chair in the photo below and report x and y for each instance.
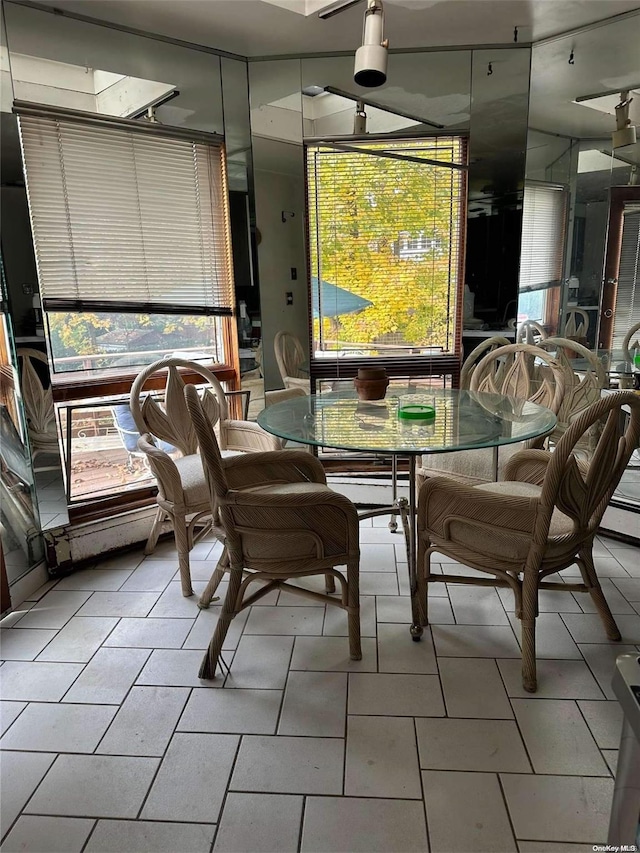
(504, 370)
(581, 389)
(281, 521)
(290, 355)
(182, 489)
(38, 407)
(542, 518)
(576, 323)
(530, 332)
(628, 343)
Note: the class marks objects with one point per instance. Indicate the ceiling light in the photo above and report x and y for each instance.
(626, 132)
(370, 68)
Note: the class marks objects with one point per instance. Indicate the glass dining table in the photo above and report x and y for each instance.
(457, 420)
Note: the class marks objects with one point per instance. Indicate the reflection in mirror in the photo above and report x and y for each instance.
(586, 247)
(498, 133)
(276, 126)
(78, 65)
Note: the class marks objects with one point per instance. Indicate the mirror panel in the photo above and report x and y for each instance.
(497, 150)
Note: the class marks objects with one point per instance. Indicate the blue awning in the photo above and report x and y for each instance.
(334, 301)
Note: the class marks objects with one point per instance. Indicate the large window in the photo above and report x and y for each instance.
(385, 226)
(131, 233)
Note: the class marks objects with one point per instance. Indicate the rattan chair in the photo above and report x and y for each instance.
(628, 344)
(508, 370)
(289, 356)
(530, 332)
(576, 323)
(38, 407)
(581, 388)
(183, 497)
(540, 519)
(281, 521)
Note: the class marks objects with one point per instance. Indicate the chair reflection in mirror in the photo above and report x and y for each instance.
(290, 355)
(576, 324)
(530, 332)
(37, 397)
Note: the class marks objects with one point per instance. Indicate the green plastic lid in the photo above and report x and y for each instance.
(416, 412)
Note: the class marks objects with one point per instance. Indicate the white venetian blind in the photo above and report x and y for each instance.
(127, 219)
(627, 294)
(543, 237)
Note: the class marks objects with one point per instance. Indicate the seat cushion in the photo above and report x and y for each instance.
(194, 484)
(561, 524)
(497, 544)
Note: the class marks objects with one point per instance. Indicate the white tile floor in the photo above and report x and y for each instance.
(112, 743)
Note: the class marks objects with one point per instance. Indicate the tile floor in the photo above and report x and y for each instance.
(112, 743)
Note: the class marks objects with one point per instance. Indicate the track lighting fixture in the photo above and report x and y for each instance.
(359, 120)
(370, 68)
(625, 134)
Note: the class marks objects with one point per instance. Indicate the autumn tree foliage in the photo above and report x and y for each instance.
(384, 223)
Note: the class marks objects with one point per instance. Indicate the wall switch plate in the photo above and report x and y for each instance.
(294, 273)
(289, 297)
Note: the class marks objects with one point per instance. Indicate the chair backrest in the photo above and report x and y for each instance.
(628, 343)
(209, 448)
(471, 361)
(583, 491)
(172, 423)
(576, 323)
(581, 389)
(511, 370)
(530, 332)
(37, 399)
(289, 355)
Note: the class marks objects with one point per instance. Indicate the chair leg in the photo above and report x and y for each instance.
(210, 660)
(155, 531)
(329, 583)
(353, 618)
(218, 573)
(422, 590)
(182, 544)
(590, 578)
(528, 626)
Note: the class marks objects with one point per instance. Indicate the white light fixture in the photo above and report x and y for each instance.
(626, 132)
(370, 68)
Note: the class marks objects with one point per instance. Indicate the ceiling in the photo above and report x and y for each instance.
(255, 28)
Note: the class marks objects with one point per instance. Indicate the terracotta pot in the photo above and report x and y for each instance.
(371, 383)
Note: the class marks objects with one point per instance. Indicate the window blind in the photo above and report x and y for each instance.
(627, 294)
(386, 224)
(127, 220)
(543, 237)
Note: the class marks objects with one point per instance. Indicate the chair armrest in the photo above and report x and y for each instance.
(292, 466)
(528, 466)
(295, 500)
(246, 435)
(442, 501)
(163, 468)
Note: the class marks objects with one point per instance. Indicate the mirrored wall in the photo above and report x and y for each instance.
(482, 96)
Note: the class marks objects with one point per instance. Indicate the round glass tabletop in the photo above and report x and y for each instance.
(463, 420)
